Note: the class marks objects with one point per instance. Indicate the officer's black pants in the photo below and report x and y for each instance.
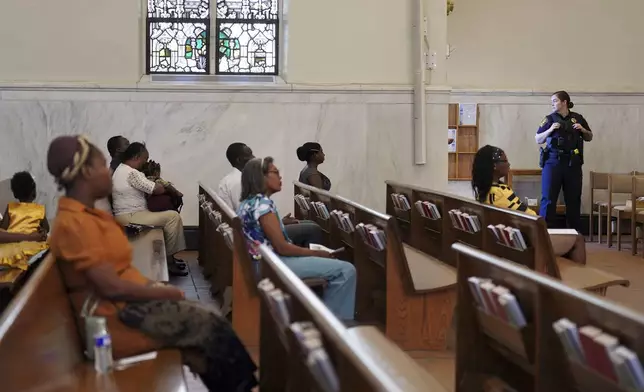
(557, 175)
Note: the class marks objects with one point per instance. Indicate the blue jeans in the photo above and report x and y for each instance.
(340, 293)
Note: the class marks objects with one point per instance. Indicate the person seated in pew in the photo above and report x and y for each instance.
(261, 225)
(302, 233)
(312, 154)
(95, 260)
(489, 167)
(130, 204)
(24, 225)
(172, 199)
(116, 146)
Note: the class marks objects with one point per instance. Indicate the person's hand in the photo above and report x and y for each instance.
(289, 220)
(579, 127)
(555, 126)
(176, 294)
(323, 254)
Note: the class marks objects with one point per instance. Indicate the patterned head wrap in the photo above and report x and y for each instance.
(66, 157)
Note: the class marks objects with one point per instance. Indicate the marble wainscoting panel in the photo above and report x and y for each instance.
(188, 133)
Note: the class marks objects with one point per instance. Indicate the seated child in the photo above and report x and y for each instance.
(24, 226)
(171, 200)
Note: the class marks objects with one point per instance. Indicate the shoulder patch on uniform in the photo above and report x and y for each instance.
(544, 121)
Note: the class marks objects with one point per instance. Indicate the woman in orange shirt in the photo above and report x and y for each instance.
(96, 260)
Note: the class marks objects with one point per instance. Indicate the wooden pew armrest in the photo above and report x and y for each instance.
(393, 361)
(580, 276)
(428, 273)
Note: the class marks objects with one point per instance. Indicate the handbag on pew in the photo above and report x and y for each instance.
(92, 323)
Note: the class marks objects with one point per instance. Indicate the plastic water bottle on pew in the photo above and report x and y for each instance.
(103, 361)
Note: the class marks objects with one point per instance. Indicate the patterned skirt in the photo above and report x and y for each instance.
(207, 341)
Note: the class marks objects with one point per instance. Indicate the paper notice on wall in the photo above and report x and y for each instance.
(451, 140)
(467, 113)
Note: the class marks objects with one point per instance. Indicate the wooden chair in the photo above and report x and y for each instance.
(39, 331)
(599, 184)
(231, 266)
(618, 184)
(436, 238)
(491, 351)
(409, 293)
(637, 214)
(360, 358)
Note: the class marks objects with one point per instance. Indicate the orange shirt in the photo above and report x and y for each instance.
(85, 237)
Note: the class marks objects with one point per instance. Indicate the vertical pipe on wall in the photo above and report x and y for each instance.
(420, 101)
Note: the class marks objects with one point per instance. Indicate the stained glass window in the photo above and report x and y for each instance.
(178, 36)
(247, 37)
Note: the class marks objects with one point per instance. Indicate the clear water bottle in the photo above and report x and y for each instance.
(103, 361)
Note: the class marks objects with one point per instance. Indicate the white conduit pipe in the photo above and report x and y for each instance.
(420, 100)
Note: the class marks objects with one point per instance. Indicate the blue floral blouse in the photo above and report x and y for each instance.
(249, 211)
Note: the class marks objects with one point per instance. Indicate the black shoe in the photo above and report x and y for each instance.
(180, 265)
(173, 270)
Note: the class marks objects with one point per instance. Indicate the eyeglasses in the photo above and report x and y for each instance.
(273, 171)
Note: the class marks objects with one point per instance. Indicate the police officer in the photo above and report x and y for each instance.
(564, 133)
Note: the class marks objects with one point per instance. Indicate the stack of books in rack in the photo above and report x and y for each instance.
(372, 235)
(508, 236)
(497, 301)
(428, 210)
(227, 232)
(342, 220)
(316, 357)
(201, 198)
(400, 201)
(466, 222)
(302, 202)
(278, 302)
(601, 352)
(216, 216)
(320, 209)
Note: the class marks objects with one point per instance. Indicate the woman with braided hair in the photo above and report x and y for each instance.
(490, 166)
(95, 259)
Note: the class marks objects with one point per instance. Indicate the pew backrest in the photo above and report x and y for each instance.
(39, 338)
(357, 368)
(435, 237)
(488, 345)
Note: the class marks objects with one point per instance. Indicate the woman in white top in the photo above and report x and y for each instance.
(129, 203)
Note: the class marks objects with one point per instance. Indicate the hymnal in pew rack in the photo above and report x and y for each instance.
(400, 202)
(468, 223)
(216, 217)
(509, 237)
(302, 202)
(320, 210)
(343, 221)
(428, 210)
(317, 360)
(501, 318)
(598, 358)
(278, 302)
(372, 236)
(226, 232)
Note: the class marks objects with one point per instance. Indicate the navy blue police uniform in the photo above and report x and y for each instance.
(561, 161)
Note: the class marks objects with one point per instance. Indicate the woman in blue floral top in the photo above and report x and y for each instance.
(262, 225)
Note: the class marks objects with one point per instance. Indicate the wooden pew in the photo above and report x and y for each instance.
(531, 358)
(409, 293)
(361, 358)
(41, 347)
(436, 237)
(230, 264)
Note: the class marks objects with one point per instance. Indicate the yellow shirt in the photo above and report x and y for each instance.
(501, 195)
